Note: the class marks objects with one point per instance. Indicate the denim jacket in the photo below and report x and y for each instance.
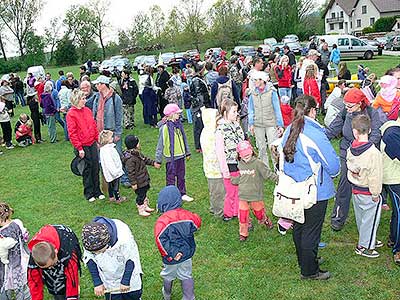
(112, 114)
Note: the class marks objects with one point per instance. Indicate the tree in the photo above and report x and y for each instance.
(173, 29)
(384, 24)
(18, 16)
(52, 34)
(80, 29)
(279, 17)
(2, 48)
(191, 17)
(34, 49)
(228, 18)
(157, 21)
(66, 53)
(100, 25)
(123, 39)
(140, 32)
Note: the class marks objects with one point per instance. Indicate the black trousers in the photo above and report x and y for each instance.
(197, 128)
(34, 108)
(307, 236)
(7, 132)
(141, 194)
(91, 182)
(113, 189)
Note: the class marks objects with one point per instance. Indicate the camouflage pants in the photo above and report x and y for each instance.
(129, 116)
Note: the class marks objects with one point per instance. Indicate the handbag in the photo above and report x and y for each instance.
(291, 198)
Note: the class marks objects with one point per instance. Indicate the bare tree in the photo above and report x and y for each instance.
(157, 19)
(17, 16)
(100, 24)
(53, 34)
(2, 48)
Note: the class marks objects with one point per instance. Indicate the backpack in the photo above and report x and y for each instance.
(225, 92)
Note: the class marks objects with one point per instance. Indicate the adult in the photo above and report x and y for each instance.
(224, 88)
(344, 73)
(30, 83)
(162, 82)
(306, 133)
(334, 104)
(355, 103)
(60, 79)
(322, 68)
(290, 55)
(19, 91)
(7, 94)
(236, 74)
(199, 97)
(91, 96)
(83, 134)
(71, 83)
(64, 96)
(54, 261)
(48, 78)
(149, 97)
(265, 117)
(334, 58)
(325, 53)
(33, 104)
(185, 60)
(258, 66)
(211, 74)
(129, 91)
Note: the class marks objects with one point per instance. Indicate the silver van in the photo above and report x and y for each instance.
(349, 46)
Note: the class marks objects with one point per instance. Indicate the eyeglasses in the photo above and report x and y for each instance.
(350, 106)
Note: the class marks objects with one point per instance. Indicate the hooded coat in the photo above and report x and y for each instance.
(174, 230)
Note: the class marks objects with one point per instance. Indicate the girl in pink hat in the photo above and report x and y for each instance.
(388, 97)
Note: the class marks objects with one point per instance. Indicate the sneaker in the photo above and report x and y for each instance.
(396, 258)
(370, 253)
(11, 146)
(112, 199)
(1, 152)
(378, 244)
(22, 144)
(120, 200)
(242, 238)
(281, 229)
(187, 198)
(102, 197)
(320, 260)
(227, 219)
(390, 243)
(268, 223)
(142, 211)
(321, 275)
(385, 207)
(336, 227)
(92, 199)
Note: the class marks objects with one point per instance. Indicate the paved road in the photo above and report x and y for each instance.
(391, 53)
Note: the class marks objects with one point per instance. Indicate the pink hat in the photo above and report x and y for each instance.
(244, 148)
(171, 109)
(388, 87)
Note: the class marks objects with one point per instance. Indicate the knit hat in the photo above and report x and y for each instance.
(131, 141)
(260, 75)
(244, 148)
(171, 109)
(95, 236)
(388, 87)
(285, 99)
(355, 95)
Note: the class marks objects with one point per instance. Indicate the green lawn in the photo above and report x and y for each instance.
(39, 185)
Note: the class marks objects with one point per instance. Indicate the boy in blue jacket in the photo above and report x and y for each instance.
(174, 235)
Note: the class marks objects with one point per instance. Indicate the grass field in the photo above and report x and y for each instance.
(39, 185)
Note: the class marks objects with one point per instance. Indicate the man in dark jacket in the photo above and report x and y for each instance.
(162, 82)
(223, 88)
(129, 91)
(174, 235)
(290, 54)
(316, 57)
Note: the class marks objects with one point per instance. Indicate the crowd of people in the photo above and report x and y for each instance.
(275, 99)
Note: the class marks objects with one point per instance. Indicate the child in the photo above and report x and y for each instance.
(23, 131)
(365, 172)
(49, 110)
(334, 104)
(310, 86)
(361, 73)
(172, 93)
(286, 110)
(228, 135)
(173, 145)
(174, 237)
(368, 87)
(13, 277)
(55, 261)
(111, 165)
(253, 172)
(112, 257)
(388, 98)
(186, 101)
(210, 162)
(135, 163)
(5, 125)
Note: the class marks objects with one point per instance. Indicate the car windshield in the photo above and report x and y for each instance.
(149, 60)
(167, 55)
(106, 63)
(138, 59)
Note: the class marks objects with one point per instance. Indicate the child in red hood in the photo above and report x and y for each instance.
(55, 261)
(286, 110)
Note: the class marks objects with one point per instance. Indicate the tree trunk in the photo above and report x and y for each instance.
(3, 51)
(102, 46)
(21, 47)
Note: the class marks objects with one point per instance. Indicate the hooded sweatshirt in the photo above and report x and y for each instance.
(174, 230)
(390, 148)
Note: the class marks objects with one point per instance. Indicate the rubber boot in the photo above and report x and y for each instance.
(188, 289)
(142, 211)
(167, 289)
(146, 206)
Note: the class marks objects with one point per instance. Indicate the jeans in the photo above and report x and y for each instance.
(51, 125)
(65, 127)
(19, 97)
(285, 92)
(124, 178)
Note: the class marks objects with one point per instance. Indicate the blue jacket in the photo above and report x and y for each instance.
(59, 81)
(57, 102)
(112, 113)
(174, 230)
(300, 169)
(335, 56)
(214, 90)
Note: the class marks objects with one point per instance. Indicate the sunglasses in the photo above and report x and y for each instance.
(350, 106)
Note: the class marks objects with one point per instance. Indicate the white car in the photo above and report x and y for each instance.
(266, 49)
(290, 38)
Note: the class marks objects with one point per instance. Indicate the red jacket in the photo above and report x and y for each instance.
(82, 127)
(311, 88)
(286, 76)
(39, 87)
(49, 234)
(287, 114)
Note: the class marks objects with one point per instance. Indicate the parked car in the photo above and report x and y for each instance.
(375, 43)
(137, 61)
(266, 49)
(393, 43)
(290, 38)
(167, 57)
(382, 40)
(270, 41)
(149, 60)
(122, 63)
(216, 51)
(192, 53)
(294, 46)
(349, 46)
(245, 50)
(177, 58)
(106, 65)
(95, 67)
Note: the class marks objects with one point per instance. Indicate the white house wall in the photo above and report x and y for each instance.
(337, 9)
(372, 12)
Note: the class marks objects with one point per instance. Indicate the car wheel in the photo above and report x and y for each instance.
(368, 55)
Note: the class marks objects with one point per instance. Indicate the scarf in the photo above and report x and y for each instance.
(171, 125)
(100, 109)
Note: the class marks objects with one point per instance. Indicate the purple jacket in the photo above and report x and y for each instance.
(48, 105)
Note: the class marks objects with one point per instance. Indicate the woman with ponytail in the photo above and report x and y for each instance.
(306, 133)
